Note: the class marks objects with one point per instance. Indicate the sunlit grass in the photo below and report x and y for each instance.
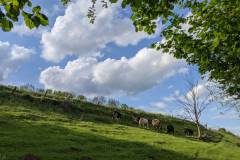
(51, 131)
(54, 136)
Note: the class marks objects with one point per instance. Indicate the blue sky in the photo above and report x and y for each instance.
(73, 55)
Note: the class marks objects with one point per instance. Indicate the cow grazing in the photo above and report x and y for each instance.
(116, 115)
(156, 124)
(143, 122)
(170, 129)
(188, 132)
(135, 119)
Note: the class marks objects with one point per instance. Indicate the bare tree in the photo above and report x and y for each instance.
(113, 102)
(124, 106)
(227, 101)
(195, 102)
(99, 100)
(48, 91)
(14, 90)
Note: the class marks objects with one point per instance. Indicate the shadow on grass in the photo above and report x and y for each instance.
(83, 111)
(56, 142)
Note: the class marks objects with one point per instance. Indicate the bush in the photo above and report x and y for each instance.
(82, 98)
(222, 130)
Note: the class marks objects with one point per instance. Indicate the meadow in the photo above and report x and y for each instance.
(60, 129)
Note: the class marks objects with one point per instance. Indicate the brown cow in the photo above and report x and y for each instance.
(156, 124)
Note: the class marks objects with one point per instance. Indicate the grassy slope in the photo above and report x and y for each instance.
(53, 132)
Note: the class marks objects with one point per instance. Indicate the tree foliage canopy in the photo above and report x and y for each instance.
(210, 41)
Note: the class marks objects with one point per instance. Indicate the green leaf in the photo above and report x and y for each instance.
(28, 21)
(36, 9)
(29, 3)
(113, 1)
(6, 25)
(43, 19)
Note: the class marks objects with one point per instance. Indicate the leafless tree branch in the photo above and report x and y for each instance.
(194, 102)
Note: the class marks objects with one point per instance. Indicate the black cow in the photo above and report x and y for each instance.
(136, 119)
(188, 132)
(170, 129)
(116, 115)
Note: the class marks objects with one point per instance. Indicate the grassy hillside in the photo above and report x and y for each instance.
(54, 129)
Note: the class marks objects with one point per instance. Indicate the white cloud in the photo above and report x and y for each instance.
(22, 30)
(72, 34)
(170, 98)
(11, 58)
(159, 105)
(200, 90)
(230, 115)
(56, 10)
(152, 108)
(184, 70)
(167, 105)
(145, 70)
(234, 129)
(163, 107)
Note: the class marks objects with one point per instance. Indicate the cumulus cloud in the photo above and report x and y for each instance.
(22, 30)
(87, 75)
(200, 90)
(11, 58)
(72, 34)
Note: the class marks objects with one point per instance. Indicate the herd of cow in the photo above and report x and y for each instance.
(155, 123)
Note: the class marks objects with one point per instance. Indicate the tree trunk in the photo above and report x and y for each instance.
(45, 94)
(14, 90)
(199, 130)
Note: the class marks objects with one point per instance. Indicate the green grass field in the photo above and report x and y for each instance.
(58, 130)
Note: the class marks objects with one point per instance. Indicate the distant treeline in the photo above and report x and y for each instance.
(64, 95)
